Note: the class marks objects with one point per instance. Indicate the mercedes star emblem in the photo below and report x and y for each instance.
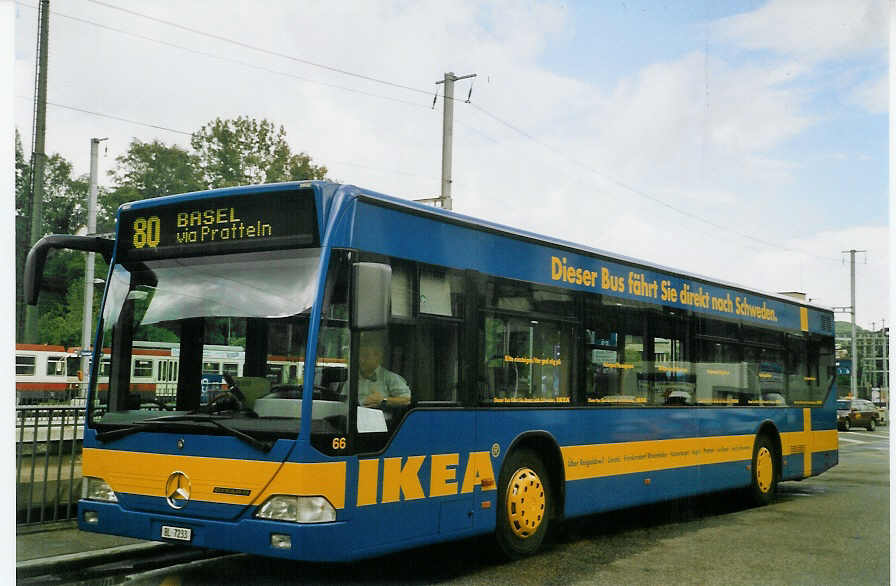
(177, 490)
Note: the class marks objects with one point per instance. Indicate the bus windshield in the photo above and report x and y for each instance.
(199, 340)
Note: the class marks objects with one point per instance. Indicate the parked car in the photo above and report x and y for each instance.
(856, 413)
(883, 412)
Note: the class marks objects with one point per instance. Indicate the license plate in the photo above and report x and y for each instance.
(179, 533)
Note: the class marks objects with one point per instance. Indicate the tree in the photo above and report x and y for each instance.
(23, 226)
(148, 169)
(65, 197)
(154, 169)
(224, 153)
(243, 151)
(64, 212)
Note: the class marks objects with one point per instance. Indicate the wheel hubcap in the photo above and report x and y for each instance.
(764, 470)
(525, 502)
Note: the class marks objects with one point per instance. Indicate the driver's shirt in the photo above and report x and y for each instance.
(386, 382)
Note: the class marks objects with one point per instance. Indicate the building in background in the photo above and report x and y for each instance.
(873, 351)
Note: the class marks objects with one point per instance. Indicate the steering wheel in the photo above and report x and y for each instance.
(225, 401)
(234, 389)
(232, 399)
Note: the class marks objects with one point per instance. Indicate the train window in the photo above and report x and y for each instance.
(143, 368)
(25, 365)
(73, 365)
(211, 367)
(104, 367)
(231, 368)
(56, 365)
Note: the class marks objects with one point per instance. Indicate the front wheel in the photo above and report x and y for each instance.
(524, 504)
(871, 426)
(846, 424)
(764, 472)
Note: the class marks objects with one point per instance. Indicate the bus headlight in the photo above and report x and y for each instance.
(99, 490)
(298, 509)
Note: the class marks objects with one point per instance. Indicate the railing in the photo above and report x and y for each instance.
(48, 463)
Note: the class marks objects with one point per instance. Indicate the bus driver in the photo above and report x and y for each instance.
(377, 384)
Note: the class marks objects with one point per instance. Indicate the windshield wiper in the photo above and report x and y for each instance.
(161, 421)
(256, 443)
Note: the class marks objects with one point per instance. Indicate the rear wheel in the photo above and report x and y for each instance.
(846, 424)
(871, 426)
(764, 471)
(524, 504)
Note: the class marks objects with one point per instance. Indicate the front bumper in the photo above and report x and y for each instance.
(311, 542)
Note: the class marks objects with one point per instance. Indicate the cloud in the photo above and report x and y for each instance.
(828, 282)
(814, 30)
(699, 101)
(707, 134)
(873, 95)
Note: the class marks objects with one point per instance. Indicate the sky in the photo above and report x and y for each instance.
(745, 141)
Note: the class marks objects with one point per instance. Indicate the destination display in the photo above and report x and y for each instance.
(255, 221)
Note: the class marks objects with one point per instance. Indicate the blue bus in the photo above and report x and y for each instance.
(468, 378)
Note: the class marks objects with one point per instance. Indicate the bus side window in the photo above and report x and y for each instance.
(526, 360)
(431, 358)
(435, 352)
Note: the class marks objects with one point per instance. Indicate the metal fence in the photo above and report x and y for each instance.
(48, 462)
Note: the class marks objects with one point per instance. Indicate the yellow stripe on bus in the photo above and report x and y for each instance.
(251, 482)
(147, 474)
(807, 442)
(599, 460)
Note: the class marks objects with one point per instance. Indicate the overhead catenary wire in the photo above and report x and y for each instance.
(113, 117)
(516, 129)
(222, 57)
(183, 132)
(640, 192)
(723, 228)
(260, 49)
(239, 62)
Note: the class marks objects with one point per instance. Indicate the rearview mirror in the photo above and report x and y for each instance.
(371, 295)
(37, 256)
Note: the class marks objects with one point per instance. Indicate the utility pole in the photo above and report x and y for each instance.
(852, 310)
(885, 358)
(448, 134)
(87, 317)
(38, 156)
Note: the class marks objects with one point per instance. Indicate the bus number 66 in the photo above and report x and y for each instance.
(338, 443)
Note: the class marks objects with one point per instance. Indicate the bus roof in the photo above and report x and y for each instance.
(327, 190)
(482, 224)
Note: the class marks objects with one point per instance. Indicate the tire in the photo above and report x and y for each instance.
(763, 472)
(524, 504)
(870, 425)
(846, 424)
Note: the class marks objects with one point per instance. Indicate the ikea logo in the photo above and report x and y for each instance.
(401, 477)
